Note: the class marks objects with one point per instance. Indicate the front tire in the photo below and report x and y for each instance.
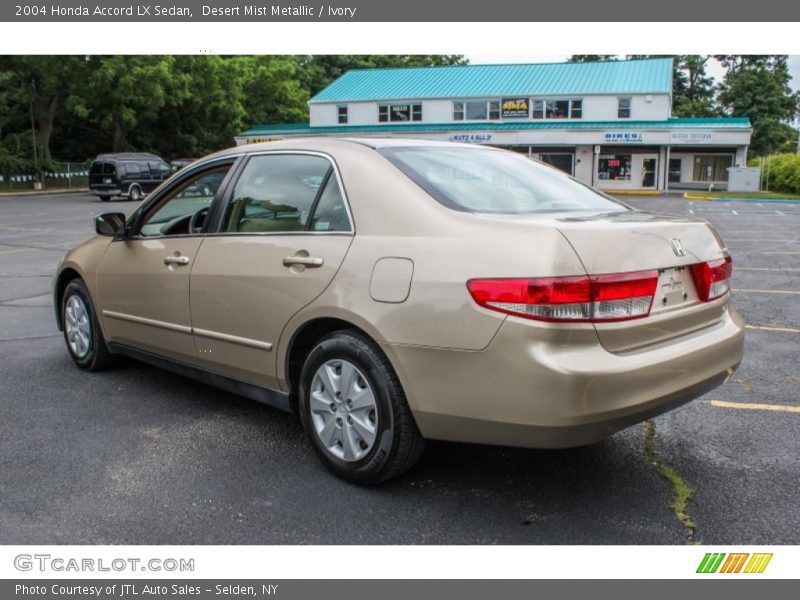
(354, 410)
(135, 193)
(82, 334)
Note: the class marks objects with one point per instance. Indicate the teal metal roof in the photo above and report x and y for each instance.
(740, 123)
(481, 81)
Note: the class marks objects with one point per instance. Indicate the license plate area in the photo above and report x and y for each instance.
(675, 288)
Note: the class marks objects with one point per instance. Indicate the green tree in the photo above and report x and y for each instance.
(126, 94)
(575, 58)
(693, 90)
(757, 87)
(210, 113)
(43, 86)
(272, 89)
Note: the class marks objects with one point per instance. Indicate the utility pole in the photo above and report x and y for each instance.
(33, 135)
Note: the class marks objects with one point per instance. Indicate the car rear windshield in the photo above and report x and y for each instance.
(103, 168)
(482, 180)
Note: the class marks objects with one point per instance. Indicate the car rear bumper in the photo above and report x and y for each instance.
(534, 387)
(105, 191)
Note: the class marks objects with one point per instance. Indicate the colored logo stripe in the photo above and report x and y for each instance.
(733, 564)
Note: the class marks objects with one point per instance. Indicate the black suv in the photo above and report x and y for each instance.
(129, 174)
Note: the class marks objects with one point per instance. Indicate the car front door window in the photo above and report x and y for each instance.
(183, 211)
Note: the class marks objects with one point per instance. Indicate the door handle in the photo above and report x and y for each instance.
(307, 261)
(176, 259)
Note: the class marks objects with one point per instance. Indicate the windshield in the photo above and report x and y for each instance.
(489, 181)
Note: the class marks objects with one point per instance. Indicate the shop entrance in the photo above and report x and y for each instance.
(560, 160)
(649, 171)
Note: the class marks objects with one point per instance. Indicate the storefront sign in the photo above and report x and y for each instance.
(259, 140)
(691, 137)
(471, 138)
(623, 137)
(514, 108)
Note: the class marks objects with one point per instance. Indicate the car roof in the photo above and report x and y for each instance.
(326, 144)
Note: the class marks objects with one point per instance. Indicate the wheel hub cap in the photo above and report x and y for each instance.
(344, 413)
(77, 327)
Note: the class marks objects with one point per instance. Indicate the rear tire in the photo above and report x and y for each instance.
(82, 334)
(105, 198)
(364, 432)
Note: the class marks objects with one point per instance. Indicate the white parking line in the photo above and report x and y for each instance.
(777, 211)
(757, 291)
(733, 211)
(790, 269)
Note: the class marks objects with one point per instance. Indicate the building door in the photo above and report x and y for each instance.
(563, 161)
(649, 171)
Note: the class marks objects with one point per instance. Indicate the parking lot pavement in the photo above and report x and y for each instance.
(138, 455)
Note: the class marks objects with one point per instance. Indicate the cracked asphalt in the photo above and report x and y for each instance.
(135, 455)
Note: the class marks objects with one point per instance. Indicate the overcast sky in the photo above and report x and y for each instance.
(714, 68)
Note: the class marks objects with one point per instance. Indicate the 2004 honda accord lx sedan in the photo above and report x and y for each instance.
(392, 291)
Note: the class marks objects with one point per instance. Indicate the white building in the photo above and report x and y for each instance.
(607, 123)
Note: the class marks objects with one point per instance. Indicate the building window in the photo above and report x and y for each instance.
(476, 111)
(675, 170)
(399, 113)
(712, 167)
(342, 114)
(623, 108)
(557, 109)
(614, 167)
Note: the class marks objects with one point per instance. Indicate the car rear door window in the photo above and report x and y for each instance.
(277, 193)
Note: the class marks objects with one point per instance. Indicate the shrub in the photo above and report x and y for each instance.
(780, 172)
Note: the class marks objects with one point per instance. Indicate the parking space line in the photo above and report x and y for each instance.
(756, 291)
(770, 240)
(15, 251)
(775, 253)
(753, 406)
(773, 328)
(791, 269)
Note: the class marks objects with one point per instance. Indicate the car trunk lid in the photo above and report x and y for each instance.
(634, 241)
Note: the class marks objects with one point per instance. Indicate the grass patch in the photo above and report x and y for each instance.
(681, 492)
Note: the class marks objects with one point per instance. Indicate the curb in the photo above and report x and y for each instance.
(43, 192)
(690, 196)
(633, 192)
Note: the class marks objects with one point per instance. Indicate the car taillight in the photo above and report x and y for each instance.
(616, 297)
(713, 279)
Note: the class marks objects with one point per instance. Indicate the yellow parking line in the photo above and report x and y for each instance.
(755, 291)
(753, 406)
(772, 328)
(15, 251)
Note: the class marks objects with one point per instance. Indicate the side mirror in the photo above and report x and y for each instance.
(110, 224)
